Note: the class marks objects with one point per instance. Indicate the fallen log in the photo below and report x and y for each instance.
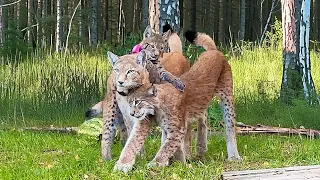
(244, 129)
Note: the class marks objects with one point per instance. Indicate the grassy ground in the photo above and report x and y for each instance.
(26, 155)
(44, 90)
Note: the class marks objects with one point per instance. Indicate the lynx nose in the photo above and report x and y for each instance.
(120, 82)
(132, 113)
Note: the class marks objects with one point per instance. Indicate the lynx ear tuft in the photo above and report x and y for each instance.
(147, 32)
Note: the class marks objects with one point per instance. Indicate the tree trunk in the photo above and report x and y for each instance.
(80, 24)
(58, 26)
(17, 15)
(317, 18)
(44, 14)
(222, 23)
(1, 25)
(94, 26)
(170, 13)
(29, 30)
(303, 52)
(145, 6)
(296, 80)
(154, 15)
(289, 77)
(39, 21)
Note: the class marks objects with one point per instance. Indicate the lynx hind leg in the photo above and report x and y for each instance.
(109, 120)
(202, 135)
(224, 91)
(121, 127)
(188, 140)
(94, 111)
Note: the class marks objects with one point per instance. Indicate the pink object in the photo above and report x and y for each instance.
(136, 49)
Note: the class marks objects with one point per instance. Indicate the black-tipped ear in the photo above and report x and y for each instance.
(166, 28)
(190, 36)
(141, 58)
(112, 58)
(147, 32)
(152, 91)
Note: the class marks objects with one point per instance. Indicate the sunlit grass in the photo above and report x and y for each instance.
(45, 90)
(28, 155)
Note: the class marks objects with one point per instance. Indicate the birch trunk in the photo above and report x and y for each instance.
(29, 30)
(39, 21)
(44, 12)
(58, 26)
(303, 52)
(80, 30)
(94, 27)
(297, 80)
(170, 13)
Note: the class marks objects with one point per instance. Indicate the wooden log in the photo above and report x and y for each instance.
(243, 129)
(296, 173)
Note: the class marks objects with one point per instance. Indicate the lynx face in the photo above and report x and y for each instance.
(128, 74)
(154, 44)
(143, 104)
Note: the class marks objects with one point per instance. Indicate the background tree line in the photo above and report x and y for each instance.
(44, 23)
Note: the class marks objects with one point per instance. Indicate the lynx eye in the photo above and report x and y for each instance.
(130, 71)
(137, 102)
(115, 70)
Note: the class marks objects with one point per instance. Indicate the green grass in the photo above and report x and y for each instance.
(29, 155)
(45, 89)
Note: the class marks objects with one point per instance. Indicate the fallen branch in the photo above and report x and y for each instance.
(4, 5)
(243, 129)
(72, 130)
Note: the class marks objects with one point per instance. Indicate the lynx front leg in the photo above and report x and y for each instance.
(175, 81)
(133, 145)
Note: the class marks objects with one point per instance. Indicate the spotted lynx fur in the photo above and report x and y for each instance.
(175, 62)
(209, 76)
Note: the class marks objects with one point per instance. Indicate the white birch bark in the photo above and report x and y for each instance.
(170, 13)
(304, 56)
(29, 38)
(58, 26)
(44, 11)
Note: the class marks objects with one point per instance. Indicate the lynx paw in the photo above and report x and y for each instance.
(157, 164)
(123, 167)
(235, 158)
(179, 85)
(106, 157)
